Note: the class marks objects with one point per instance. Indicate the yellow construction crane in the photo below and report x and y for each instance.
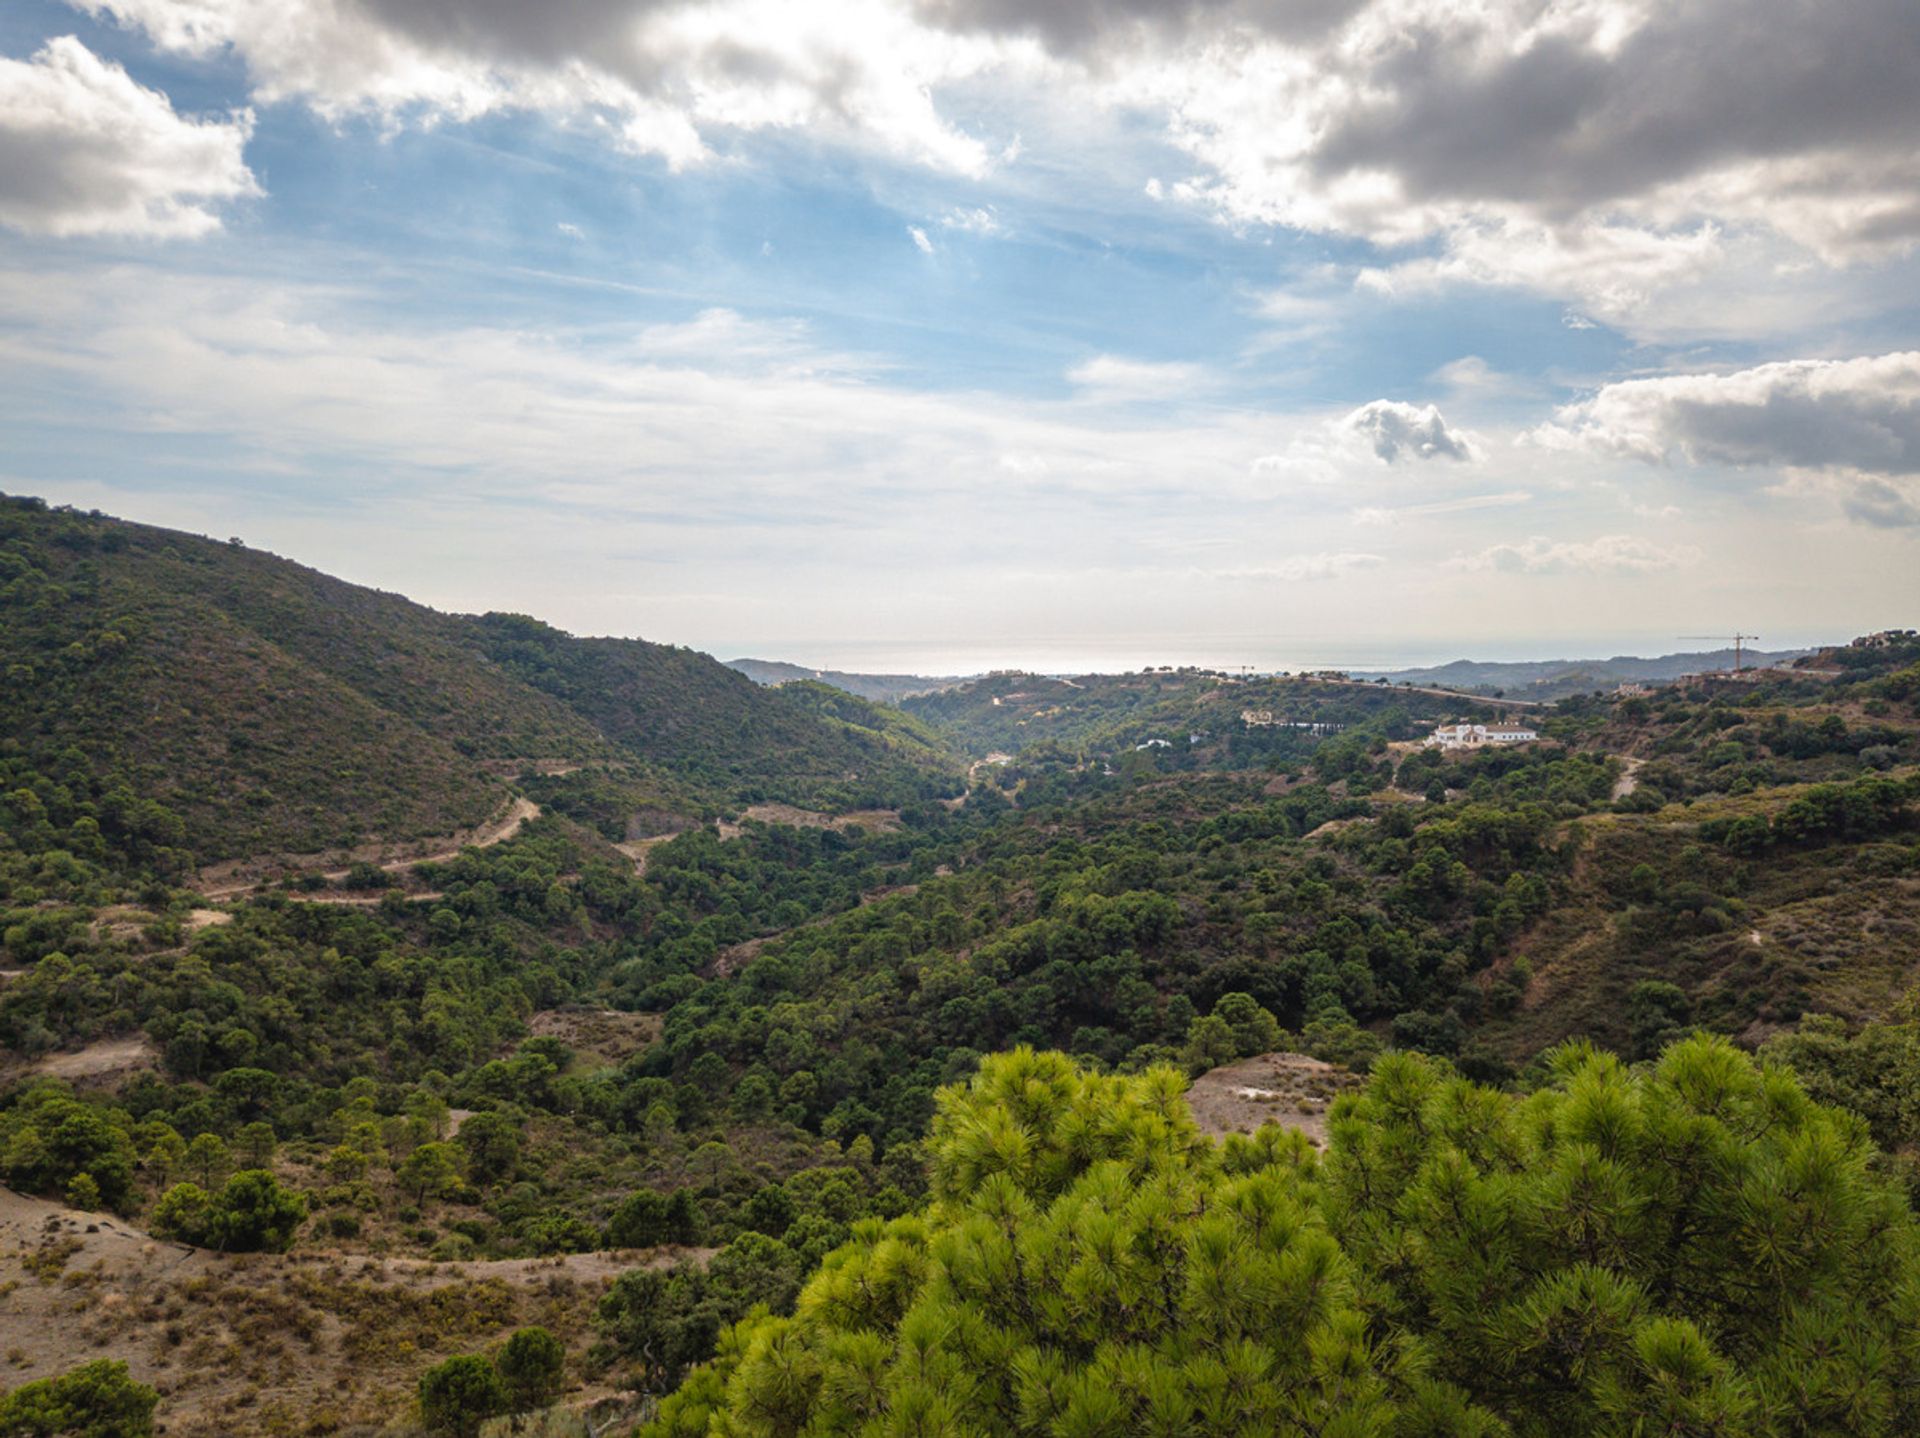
(1738, 641)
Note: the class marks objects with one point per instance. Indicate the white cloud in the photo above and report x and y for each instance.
(1115, 377)
(571, 231)
(1598, 150)
(920, 240)
(84, 150)
(1852, 424)
(1396, 431)
(977, 221)
(1609, 554)
(1608, 152)
(1472, 376)
(1300, 568)
(1380, 516)
(655, 76)
(1853, 414)
(1615, 271)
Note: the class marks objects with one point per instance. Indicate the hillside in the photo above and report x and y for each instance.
(1546, 679)
(1189, 718)
(627, 1076)
(268, 707)
(881, 688)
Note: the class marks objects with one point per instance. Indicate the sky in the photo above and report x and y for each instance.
(937, 335)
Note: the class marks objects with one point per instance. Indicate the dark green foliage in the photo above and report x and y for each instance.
(48, 1138)
(95, 1400)
(251, 1212)
(1696, 1249)
(803, 743)
(457, 1396)
(489, 1143)
(532, 1367)
(659, 1322)
(1871, 1069)
(647, 1219)
(255, 706)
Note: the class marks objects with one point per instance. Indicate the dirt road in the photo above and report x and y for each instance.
(240, 877)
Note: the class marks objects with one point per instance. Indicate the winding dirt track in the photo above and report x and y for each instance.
(241, 877)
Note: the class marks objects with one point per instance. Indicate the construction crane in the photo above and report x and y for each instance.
(1738, 641)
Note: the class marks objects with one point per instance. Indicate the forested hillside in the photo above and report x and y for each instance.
(247, 705)
(697, 1110)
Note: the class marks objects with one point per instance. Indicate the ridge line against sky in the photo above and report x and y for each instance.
(754, 326)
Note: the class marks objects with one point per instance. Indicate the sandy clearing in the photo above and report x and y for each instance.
(98, 1062)
(638, 849)
(993, 759)
(1629, 779)
(1289, 1089)
(877, 821)
(207, 919)
(1334, 826)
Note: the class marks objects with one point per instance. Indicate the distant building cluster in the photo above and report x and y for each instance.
(1476, 736)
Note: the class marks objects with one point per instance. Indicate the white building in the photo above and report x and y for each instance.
(1475, 736)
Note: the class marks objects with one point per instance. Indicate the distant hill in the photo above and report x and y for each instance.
(1188, 717)
(1555, 678)
(881, 688)
(273, 708)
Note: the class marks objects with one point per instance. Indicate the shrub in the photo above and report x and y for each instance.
(457, 1396)
(95, 1400)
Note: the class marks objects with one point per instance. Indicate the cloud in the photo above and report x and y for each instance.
(1854, 415)
(1470, 375)
(1380, 516)
(84, 150)
(571, 231)
(1080, 27)
(920, 240)
(716, 409)
(1609, 554)
(1397, 431)
(1608, 152)
(976, 221)
(1598, 150)
(1881, 504)
(1616, 271)
(659, 77)
(1115, 377)
(1305, 567)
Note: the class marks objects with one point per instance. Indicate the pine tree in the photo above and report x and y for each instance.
(1693, 1249)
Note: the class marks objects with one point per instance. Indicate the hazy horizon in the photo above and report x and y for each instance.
(950, 658)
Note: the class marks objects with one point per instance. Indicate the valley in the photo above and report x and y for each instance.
(455, 977)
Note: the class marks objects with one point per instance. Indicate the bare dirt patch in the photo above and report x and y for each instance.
(107, 1062)
(638, 849)
(206, 919)
(599, 1038)
(878, 821)
(1289, 1089)
(309, 1342)
(1334, 826)
(1629, 779)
